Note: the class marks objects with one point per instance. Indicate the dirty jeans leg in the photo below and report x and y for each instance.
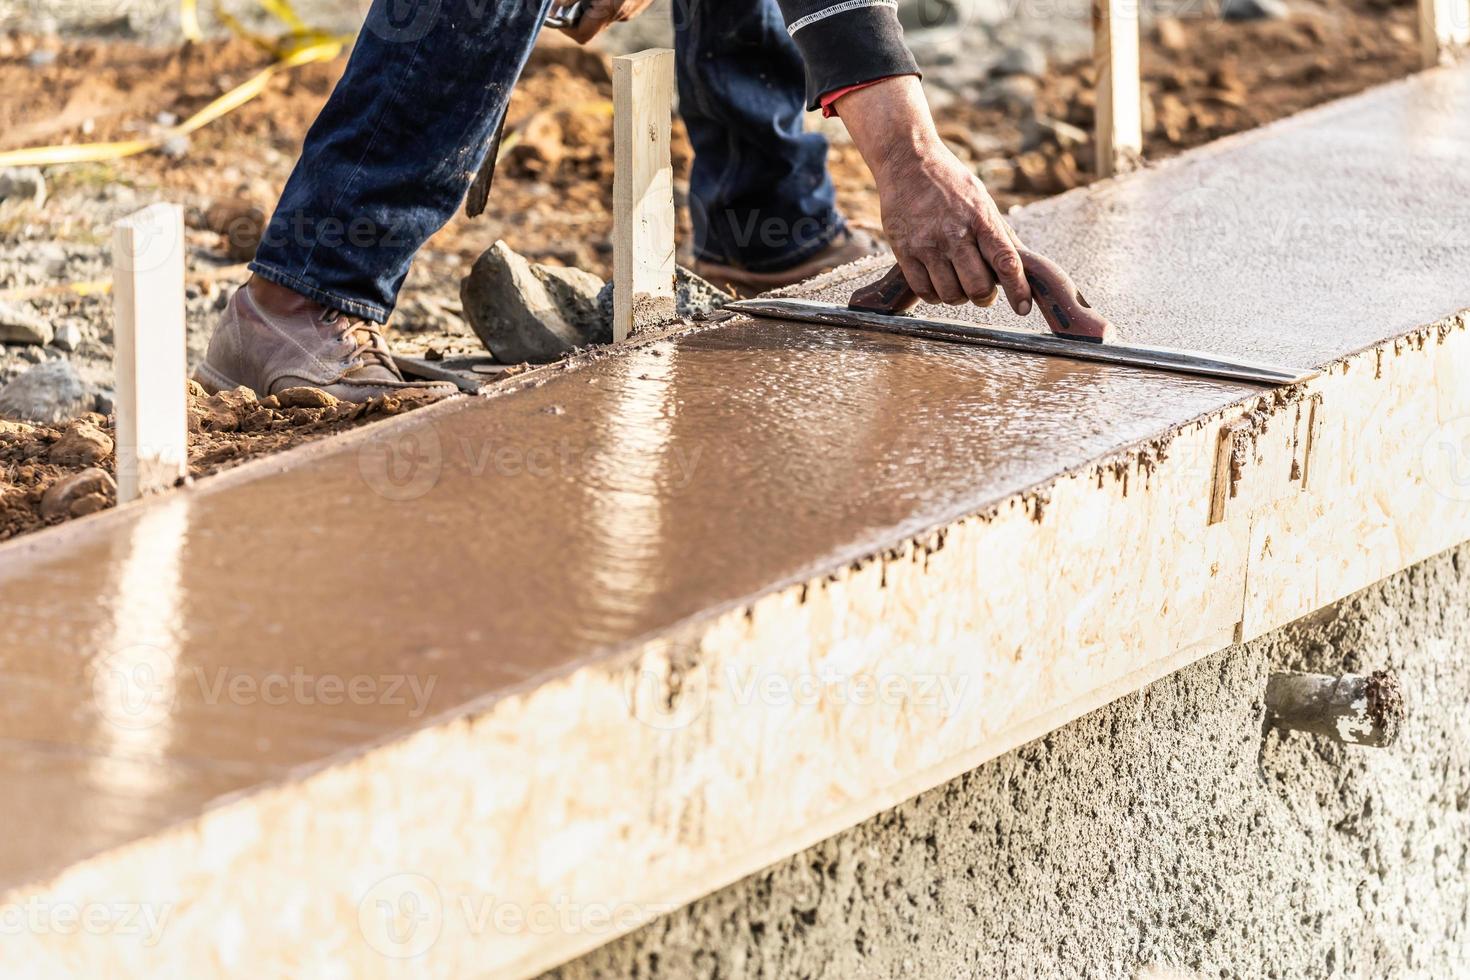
(396, 147)
(759, 193)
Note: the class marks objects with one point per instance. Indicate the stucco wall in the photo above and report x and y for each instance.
(1163, 835)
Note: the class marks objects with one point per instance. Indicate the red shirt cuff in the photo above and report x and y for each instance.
(829, 101)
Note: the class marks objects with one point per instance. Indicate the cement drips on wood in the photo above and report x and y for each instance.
(1165, 835)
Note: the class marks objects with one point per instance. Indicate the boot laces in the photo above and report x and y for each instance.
(371, 347)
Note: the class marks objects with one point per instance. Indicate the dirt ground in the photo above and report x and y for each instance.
(225, 429)
(1026, 136)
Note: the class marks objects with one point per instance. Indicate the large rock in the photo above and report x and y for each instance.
(18, 325)
(527, 312)
(49, 392)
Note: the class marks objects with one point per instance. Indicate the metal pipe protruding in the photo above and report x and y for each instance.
(1354, 709)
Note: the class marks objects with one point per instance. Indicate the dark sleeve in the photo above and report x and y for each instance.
(846, 42)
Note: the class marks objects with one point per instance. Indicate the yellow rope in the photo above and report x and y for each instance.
(302, 46)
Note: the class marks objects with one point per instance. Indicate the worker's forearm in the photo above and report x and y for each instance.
(889, 122)
(946, 232)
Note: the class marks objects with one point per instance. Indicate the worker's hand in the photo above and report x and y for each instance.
(945, 230)
(598, 14)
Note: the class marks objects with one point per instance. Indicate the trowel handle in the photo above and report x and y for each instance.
(891, 295)
(1062, 305)
(1060, 301)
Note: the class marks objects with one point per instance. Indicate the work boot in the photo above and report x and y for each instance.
(270, 339)
(849, 246)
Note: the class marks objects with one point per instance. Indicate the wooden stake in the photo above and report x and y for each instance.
(1442, 25)
(1119, 131)
(643, 190)
(149, 363)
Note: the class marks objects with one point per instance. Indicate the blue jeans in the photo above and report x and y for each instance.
(399, 142)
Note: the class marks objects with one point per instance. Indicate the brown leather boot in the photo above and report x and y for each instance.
(270, 339)
(851, 245)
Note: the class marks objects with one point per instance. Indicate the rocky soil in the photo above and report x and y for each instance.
(1011, 88)
(52, 473)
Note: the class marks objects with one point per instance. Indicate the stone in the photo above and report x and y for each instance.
(304, 397)
(1020, 59)
(1172, 118)
(68, 336)
(50, 392)
(53, 259)
(70, 496)
(175, 147)
(1016, 94)
(15, 431)
(1046, 173)
(1040, 131)
(997, 174)
(239, 223)
(1239, 10)
(526, 312)
(23, 184)
(694, 297)
(222, 411)
(19, 325)
(82, 444)
(539, 148)
(89, 504)
(576, 294)
(1170, 34)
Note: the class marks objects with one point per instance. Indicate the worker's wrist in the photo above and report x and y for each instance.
(907, 157)
(890, 123)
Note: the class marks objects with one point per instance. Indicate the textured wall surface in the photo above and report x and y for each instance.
(1163, 835)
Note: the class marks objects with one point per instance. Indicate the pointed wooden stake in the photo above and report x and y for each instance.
(150, 362)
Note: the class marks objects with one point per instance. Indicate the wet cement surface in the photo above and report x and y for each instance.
(161, 656)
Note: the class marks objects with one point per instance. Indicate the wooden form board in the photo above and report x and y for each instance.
(1443, 24)
(643, 190)
(1119, 123)
(609, 796)
(150, 359)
